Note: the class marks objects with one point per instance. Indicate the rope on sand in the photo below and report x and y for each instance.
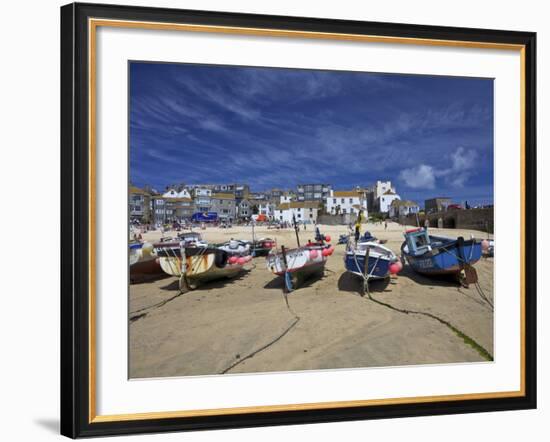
(467, 339)
(273, 341)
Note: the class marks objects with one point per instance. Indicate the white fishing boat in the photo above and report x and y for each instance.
(299, 263)
(194, 265)
(236, 247)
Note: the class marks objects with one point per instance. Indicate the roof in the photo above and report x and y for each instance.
(223, 196)
(346, 193)
(137, 190)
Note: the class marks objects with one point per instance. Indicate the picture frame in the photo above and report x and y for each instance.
(79, 207)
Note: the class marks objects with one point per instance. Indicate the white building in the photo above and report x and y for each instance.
(381, 187)
(383, 193)
(346, 202)
(386, 199)
(304, 211)
(266, 208)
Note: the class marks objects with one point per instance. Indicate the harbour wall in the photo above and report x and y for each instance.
(475, 219)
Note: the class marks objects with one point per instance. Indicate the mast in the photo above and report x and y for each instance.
(296, 228)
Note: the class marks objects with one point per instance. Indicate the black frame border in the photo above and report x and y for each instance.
(75, 220)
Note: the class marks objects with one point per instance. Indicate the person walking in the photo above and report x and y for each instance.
(358, 225)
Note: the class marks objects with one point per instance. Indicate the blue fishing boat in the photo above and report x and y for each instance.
(438, 255)
(378, 257)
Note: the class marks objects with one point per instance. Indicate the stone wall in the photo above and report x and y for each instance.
(334, 220)
(475, 219)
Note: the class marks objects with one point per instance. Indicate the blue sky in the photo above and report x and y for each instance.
(270, 127)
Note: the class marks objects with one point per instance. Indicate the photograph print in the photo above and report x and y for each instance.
(295, 219)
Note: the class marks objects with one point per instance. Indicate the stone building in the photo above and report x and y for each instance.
(438, 204)
(313, 192)
(139, 205)
(224, 205)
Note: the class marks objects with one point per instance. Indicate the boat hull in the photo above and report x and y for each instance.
(377, 268)
(143, 262)
(447, 260)
(261, 251)
(298, 260)
(201, 265)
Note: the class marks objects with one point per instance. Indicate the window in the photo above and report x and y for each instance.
(344, 211)
(351, 200)
(342, 200)
(333, 200)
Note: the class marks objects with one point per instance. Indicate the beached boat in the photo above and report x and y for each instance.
(236, 247)
(196, 264)
(263, 246)
(370, 260)
(143, 261)
(140, 252)
(170, 246)
(438, 255)
(302, 262)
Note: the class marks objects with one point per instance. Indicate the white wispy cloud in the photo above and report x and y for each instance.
(462, 166)
(419, 177)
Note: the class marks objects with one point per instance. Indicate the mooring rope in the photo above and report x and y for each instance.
(467, 339)
(270, 343)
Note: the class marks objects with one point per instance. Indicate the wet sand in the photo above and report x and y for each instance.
(409, 319)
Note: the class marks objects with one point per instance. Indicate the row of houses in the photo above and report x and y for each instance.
(234, 202)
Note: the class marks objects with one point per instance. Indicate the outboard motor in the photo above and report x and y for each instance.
(318, 236)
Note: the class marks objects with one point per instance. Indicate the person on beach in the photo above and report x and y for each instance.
(358, 225)
(385, 224)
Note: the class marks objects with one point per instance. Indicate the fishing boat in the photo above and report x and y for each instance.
(299, 263)
(235, 247)
(370, 260)
(366, 256)
(262, 246)
(437, 255)
(169, 246)
(196, 264)
(140, 252)
(143, 261)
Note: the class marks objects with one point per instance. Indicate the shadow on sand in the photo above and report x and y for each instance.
(278, 282)
(348, 282)
(216, 284)
(434, 281)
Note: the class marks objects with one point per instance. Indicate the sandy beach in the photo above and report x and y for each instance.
(409, 319)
